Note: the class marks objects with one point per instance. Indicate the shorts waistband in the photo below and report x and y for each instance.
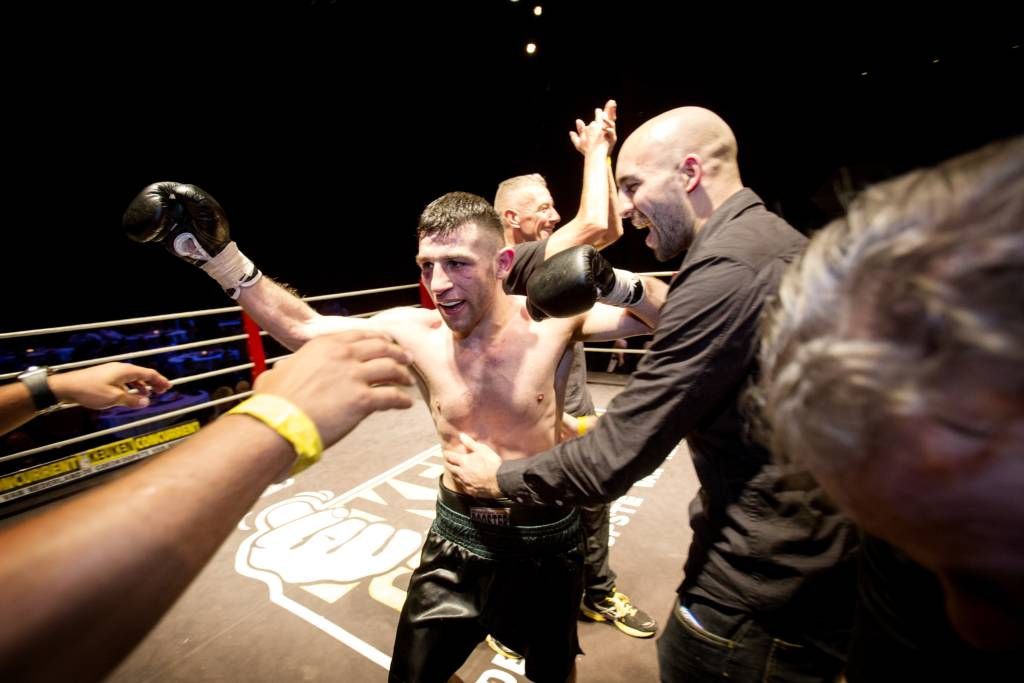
(501, 512)
(492, 535)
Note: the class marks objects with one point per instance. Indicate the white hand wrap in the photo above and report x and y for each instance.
(232, 270)
(628, 290)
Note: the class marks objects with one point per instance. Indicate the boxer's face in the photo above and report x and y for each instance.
(459, 272)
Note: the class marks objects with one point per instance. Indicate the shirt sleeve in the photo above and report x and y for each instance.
(700, 357)
(529, 257)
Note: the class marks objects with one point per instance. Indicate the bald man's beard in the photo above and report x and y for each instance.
(674, 233)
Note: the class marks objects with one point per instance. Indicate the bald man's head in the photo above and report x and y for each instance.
(668, 138)
(673, 172)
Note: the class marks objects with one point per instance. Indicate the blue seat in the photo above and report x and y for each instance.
(170, 401)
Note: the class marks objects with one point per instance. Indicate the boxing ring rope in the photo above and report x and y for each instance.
(145, 352)
(602, 349)
(258, 334)
(137, 354)
(187, 314)
(120, 428)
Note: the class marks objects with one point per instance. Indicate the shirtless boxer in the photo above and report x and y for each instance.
(490, 372)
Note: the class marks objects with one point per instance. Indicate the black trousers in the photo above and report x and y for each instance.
(598, 576)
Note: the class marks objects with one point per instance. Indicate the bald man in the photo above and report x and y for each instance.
(769, 583)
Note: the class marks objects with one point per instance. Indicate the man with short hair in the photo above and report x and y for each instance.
(490, 374)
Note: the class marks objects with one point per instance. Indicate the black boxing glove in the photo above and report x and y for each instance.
(571, 281)
(192, 226)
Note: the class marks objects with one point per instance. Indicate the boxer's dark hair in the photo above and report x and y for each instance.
(450, 212)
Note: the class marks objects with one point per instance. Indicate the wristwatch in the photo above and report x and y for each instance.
(42, 396)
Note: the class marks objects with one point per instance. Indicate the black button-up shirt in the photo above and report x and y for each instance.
(759, 533)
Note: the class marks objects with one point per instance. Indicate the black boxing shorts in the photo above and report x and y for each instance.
(492, 567)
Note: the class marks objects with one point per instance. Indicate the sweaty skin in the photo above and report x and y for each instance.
(487, 369)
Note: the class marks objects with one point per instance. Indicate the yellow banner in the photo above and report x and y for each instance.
(81, 463)
(50, 469)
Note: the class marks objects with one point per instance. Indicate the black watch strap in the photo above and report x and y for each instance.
(42, 396)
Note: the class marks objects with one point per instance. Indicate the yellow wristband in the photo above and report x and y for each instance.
(287, 420)
(581, 425)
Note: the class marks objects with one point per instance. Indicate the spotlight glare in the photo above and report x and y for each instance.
(538, 10)
(531, 48)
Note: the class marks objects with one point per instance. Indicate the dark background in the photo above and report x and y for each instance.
(323, 128)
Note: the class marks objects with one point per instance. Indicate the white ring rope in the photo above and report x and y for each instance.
(140, 354)
(193, 345)
(211, 373)
(157, 351)
(127, 425)
(601, 349)
(186, 314)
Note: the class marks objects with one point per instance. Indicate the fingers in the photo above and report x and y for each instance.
(140, 400)
(454, 458)
(354, 335)
(384, 371)
(143, 379)
(151, 379)
(369, 349)
(138, 386)
(611, 110)
(388, 398)
(134, 385)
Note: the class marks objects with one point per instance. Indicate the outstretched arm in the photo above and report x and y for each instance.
(98, 387)
(96, 573)
(193, 226)
(289, 319)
